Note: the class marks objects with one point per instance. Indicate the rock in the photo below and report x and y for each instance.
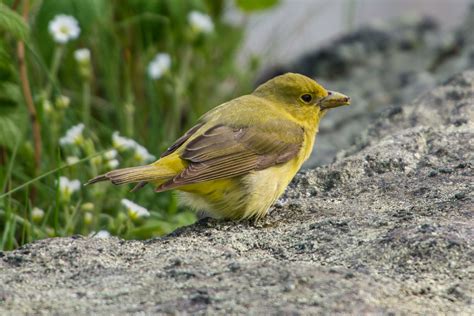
(377, 232)
(381, 66)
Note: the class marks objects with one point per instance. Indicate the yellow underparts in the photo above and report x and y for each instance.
(248, 196)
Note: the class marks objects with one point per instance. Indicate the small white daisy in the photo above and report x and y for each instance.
(160, 65)
(82, 55)
(134, 210)
(122, 143)
(64, 28)
(142, 154)
(73, 136)
(68, 187)
(70, 160)
(111, 154)
(112, 164)
(200, 22)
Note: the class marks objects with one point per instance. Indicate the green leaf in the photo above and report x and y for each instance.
(151, 228)
(10, 133)
(12, 116)
(5, 61)
(13, 23)
(255, 5)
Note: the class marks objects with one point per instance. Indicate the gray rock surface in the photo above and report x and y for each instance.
(378, 66)
(387, 229)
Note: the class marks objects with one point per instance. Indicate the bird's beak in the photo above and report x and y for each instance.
(333, 100)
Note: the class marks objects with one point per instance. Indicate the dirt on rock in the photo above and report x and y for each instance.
(386, 229)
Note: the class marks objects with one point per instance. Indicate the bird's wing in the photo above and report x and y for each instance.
(181, 140)
(224, 151)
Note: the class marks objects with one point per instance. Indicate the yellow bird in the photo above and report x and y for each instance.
(240, 156)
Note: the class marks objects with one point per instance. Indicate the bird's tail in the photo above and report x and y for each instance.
(141, 174)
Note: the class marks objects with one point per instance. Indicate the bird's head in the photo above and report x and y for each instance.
(301, 96)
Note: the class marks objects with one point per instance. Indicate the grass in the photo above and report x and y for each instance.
(110, 92)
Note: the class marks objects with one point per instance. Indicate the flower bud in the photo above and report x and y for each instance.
(47, 107)
(37, 214)
(62, 102)
(88, 217)
(87, 207)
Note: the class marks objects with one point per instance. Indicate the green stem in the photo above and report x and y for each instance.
(9, 217)
(129, 115)
(70, 219)
(57, 56)
(54, 126)
(86, 102)
(181, 83)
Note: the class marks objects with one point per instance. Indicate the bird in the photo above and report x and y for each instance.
(241, 155)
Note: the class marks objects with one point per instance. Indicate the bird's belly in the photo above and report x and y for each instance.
(268, 185)
(223, 198)
(242, 197)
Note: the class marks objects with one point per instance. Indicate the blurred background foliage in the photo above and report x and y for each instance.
(109, 89)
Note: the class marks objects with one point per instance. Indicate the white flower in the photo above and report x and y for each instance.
(142, 154)
(64, 28)
(37, 214)
(112, 164)
(73, 136)
(134, 210)
(100, 234)
(70, 160)
(122, 143)
(200, 22)
(82, 55)
(159, 66)
(68, 187)
(111, 154)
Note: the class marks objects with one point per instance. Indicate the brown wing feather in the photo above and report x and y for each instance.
(181, 140)
(224, 152)
(216, 142)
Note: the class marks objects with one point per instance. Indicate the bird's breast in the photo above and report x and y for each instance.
(307, 146)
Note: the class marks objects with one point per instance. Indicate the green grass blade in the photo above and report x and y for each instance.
(44, 175)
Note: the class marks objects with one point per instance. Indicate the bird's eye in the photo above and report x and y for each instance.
(306, 97)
